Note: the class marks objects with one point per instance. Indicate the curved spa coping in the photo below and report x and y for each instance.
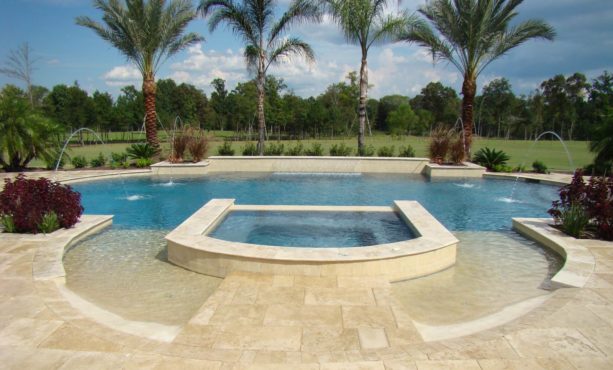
(434, 248)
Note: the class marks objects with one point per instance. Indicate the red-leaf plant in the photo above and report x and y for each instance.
(596, 199)
(28, 200)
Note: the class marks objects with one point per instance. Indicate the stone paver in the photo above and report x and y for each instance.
(258, 321)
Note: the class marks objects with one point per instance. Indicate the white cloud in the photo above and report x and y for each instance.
(122, 76)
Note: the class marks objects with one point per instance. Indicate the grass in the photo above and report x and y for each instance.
(521, 152)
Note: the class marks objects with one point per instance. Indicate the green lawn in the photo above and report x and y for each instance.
(521, 152)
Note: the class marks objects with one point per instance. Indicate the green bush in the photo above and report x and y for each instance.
(141, 151)
(143, 162)
(368, 151)
(386, 151)
(315, 150)
(295, 151)
(99, 161)
(491, 158)
(407, 152)
(78, 161)
(250, 149)
(274, 149)
(225, 149)
(340, 150)
(8, 223)
(502, 168)
(49, 223)
(574, 220)
(119, 160)
(539, 167)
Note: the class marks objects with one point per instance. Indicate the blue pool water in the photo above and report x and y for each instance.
(163, 203)
(313, 229)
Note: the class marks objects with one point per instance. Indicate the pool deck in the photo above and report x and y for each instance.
(260, 321)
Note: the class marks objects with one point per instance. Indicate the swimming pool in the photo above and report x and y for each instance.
(163, 202)
(495, 266)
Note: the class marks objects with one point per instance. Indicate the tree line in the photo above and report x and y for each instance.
(571, 106)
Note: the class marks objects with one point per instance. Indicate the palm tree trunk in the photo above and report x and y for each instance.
(362, 104)
(261, 116)
(149, 92)
(469, 89)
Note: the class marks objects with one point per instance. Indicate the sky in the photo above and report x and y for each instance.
(67, 53)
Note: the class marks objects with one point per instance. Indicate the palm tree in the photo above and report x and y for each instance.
(471, 35)
(147, 32)
(364, 23)
(26, 134)
(265, 44)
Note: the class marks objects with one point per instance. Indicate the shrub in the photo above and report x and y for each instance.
(594, 198)
(49, 223)
(406, 151)
(315, 150)
(226, 149)
(598, 204)
(27, 201)
(274, 149)
(250, 149)
(368, 151)
(295, 151)
(490, 158)
(456, 149)
(179, 144)
(539, 167)
(386, 151)
(502, 168)
(574, 220)
(340, 150)
(141, 151)
(119, 160)
(99, 161)
(439, 144)
(78, 161)
(198, 146)
(143, 162)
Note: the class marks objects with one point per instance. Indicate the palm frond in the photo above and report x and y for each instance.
(300, 11)
(389, 28)
(237, 16)
(288, 48)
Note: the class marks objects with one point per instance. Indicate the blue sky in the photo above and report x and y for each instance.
(69, 53)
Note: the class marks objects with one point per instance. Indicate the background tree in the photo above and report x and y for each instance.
(364, 23)
(20, 65)
(265, 44)
(442, 101)
(471, 35)
(219, 103)
(147, 33)
(499, 105)
(402, 120)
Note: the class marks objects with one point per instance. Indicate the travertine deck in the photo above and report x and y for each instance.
(283, 322)
(263, 321)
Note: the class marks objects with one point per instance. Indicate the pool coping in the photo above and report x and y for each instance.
(190, 247)
(466, 169)
(579, 263)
